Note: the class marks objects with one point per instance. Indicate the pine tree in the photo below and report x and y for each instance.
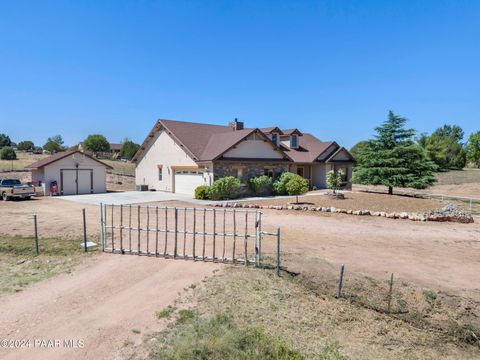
(393, 159)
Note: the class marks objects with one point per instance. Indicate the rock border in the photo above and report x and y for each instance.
(449, 213)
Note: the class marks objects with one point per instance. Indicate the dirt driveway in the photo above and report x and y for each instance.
(435, 255)
(108, 300)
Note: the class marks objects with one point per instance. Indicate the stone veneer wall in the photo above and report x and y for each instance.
(250, 169)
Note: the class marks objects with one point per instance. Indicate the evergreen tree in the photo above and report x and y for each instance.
(5, 141)
(393, 159)
(129, 149)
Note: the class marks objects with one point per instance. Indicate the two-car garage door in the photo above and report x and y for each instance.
(76, 181)
(187, 180)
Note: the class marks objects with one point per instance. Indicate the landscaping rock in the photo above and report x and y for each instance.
(403, 215)
(452, 213)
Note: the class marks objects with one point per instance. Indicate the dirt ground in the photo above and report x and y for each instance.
(358, 201)
(108, 300)
(437, 255)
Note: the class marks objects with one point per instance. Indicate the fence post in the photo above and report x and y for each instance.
(37, 250)
(101, 227)
(175, 246)
(390, 290)
(278, 252)
(258, 237)
(84, 230)
(470, 206)
(340, 281)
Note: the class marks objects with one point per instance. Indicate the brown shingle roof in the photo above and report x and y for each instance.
(268, 130)
(206, 142)
(58, 156)
(310, 148)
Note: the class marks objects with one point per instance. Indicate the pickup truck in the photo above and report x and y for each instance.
(13, 188)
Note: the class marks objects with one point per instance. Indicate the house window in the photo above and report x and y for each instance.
(275, 138)
(238, 172)
(160, 173)
(268, 171)
(294, 141)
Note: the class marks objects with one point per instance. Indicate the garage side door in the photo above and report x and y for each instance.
(68, 179)
(187, 180)
(85, 179)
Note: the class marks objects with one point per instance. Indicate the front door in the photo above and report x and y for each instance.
(300, 170)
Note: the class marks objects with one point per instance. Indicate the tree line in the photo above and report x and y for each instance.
(396, 158)
(95, 143)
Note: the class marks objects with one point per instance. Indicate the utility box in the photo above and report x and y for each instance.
(141, 187)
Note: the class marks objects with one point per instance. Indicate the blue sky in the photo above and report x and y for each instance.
(331, 68)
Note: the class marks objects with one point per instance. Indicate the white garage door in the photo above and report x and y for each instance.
(76, 181)
(187, 180)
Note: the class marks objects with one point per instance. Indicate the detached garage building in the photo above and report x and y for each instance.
(74, 171)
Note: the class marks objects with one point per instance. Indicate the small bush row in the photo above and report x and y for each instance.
(229, 187)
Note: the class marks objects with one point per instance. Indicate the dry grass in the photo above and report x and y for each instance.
(120, 167)
(20, 266)
(458, 177)
(365, 201)
(23, 159)
(300, 312)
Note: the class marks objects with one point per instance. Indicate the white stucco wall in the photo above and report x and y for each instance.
(51, 172)
(164, 151)
(253, 149)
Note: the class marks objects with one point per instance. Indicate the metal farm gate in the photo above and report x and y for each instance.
(223, 235)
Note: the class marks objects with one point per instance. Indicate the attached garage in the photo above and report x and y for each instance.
(186, 180)
(74, 172)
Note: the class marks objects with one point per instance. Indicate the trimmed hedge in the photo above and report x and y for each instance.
(202, 192)
(261, 185)
(225, 188)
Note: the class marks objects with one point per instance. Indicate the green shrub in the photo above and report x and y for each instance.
(165, 313)
(279, 186)
(261, 185)
(202, 192)
(225, 188)
(296, 186)
(335, 179)
(7, 153)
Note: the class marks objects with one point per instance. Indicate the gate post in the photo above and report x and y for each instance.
(102, 230)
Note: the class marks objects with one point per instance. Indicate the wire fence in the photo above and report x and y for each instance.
(422, 307)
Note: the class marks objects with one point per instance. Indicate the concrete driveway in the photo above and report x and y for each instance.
(129, 197)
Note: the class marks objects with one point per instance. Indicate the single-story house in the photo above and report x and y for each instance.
(114, 153)
(178, 156)
(74, 171)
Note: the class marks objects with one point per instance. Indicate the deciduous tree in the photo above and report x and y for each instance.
(54, 144)
(473, 149)
(96, 143)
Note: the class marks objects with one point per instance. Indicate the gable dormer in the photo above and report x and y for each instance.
(291, 138)
(273, 133)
